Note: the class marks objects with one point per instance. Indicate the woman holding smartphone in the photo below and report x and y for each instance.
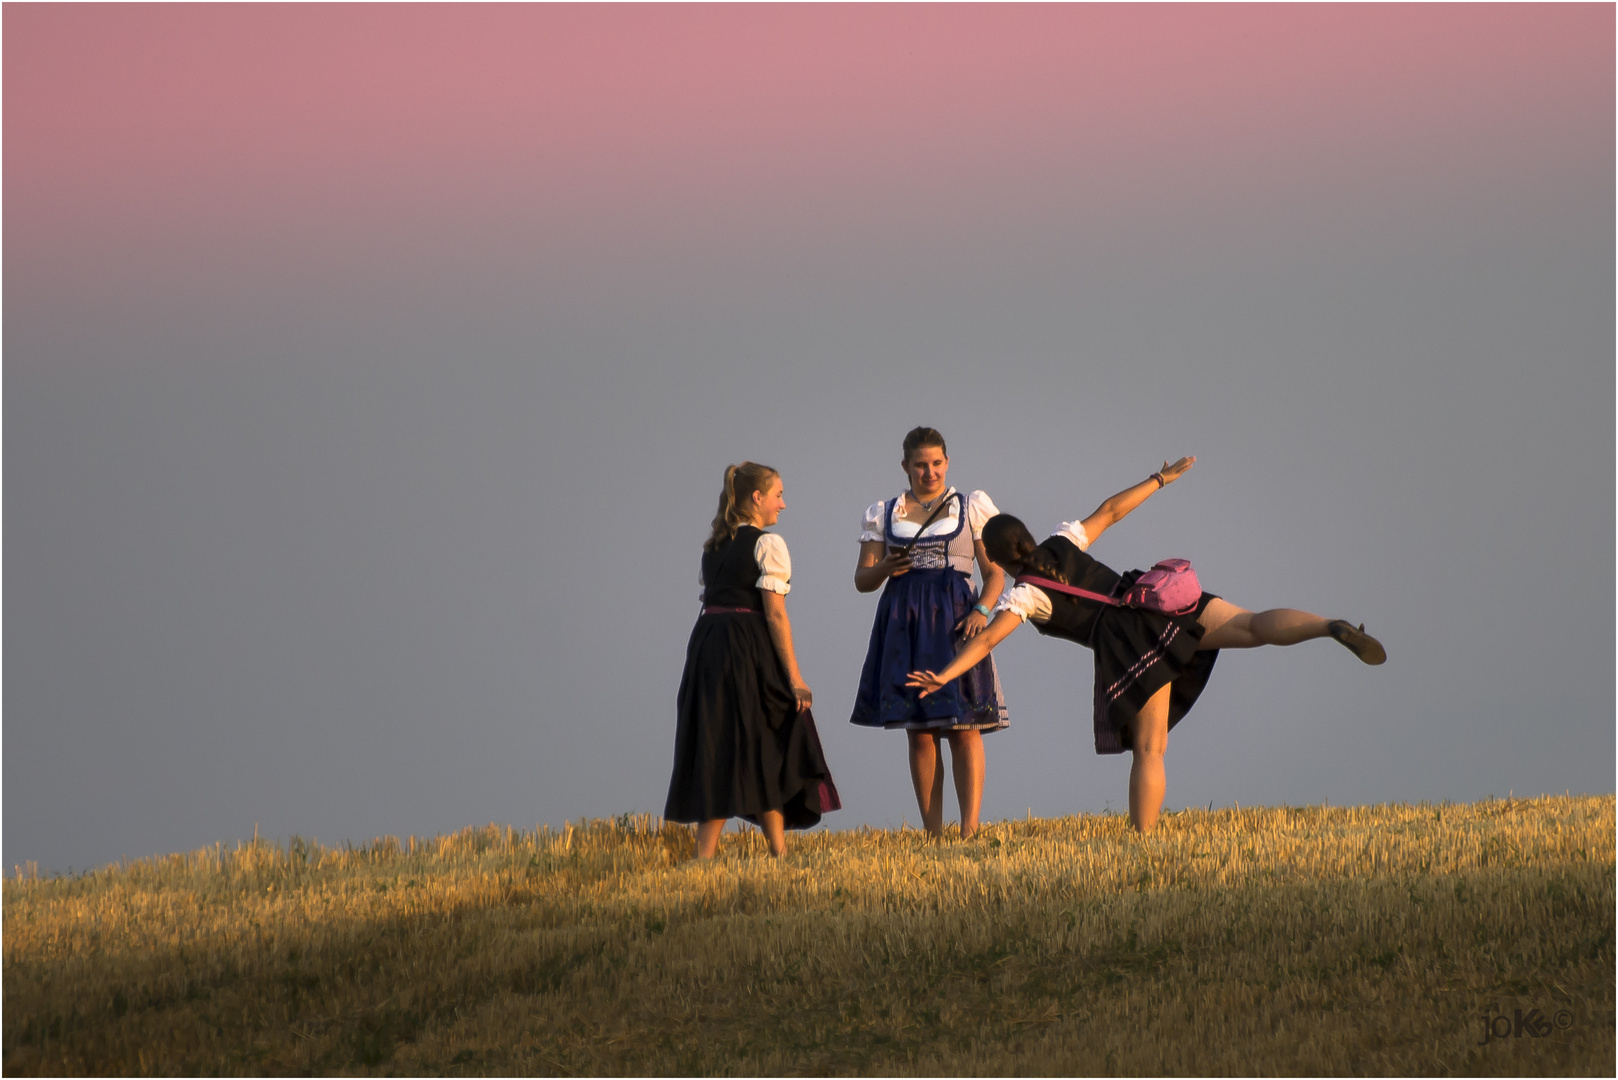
(919, 548)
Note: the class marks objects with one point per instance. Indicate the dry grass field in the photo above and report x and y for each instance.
(1474, 939)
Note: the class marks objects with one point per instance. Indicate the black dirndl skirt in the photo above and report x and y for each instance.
(741, 746)
(1137, 653)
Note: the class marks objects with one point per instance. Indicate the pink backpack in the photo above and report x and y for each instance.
(1168, 588)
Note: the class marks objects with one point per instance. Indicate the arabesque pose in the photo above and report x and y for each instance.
(1149, 666)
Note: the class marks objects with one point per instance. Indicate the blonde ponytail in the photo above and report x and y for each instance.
(740, 483)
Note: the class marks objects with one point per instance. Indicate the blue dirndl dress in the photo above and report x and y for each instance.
(915, 631)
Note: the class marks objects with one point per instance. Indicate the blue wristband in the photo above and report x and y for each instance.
(985, 612)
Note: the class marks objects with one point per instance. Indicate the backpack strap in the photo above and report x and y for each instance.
(1071, 590)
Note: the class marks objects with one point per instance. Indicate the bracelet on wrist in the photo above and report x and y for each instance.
(981, 610)
(1161, 483)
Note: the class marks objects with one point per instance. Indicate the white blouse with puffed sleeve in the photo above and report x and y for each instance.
(979, 509)
(774, 566)
(1030, 602)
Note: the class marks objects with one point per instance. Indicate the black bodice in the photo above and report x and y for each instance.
(730, 573)
(1073, 617)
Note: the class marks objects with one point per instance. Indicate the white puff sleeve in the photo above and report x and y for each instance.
(871, 526)
(1074, 531)
(1026, 602)
(979, 509)
(774, 564)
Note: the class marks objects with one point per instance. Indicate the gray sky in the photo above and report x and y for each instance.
(350, 517)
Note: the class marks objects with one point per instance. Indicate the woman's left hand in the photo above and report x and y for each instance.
(971, 626)
(1171, 473)
(925, 681)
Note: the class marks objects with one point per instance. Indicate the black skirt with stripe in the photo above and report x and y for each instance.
(1137, 653)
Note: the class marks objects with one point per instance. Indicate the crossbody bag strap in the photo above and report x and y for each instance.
(905, 549)
(1071, 590)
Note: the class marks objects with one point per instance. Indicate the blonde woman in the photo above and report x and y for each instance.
(746, 744)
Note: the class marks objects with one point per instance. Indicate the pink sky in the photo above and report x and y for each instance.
(153, 117)
(372, 368)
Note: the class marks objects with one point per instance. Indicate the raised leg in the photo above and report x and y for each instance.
(1150, 739)
(966, 760)
(1226, 626)
(928, 779)
(708, 837)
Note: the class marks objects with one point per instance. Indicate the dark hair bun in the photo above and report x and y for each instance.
(1010, 545)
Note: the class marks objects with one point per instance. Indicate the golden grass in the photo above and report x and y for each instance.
(1253, 941)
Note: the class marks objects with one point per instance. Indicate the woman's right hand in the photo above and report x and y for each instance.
(893, 564)
(877, 563)
(804, 696)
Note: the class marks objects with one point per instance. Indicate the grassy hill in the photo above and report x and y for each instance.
(1385, 940)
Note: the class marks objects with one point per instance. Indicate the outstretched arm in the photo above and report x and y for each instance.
(969, 657)
(1116, 508)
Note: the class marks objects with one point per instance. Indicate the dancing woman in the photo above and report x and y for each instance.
(1149, 667)
(746, 744)
(922, 544)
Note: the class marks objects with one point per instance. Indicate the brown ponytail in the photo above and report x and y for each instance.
(1011, 546)
(740, 483)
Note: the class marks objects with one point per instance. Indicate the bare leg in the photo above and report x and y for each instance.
(708, 837)
(928, 779)
(966, 760)
(1150, 737)
(774, 826)
(1226, 626)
